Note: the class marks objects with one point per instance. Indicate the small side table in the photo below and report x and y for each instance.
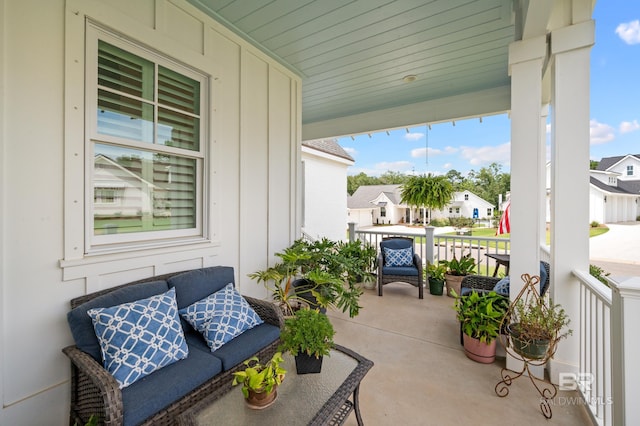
(501, 259)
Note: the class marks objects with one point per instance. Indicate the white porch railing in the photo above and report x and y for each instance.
(595, 380)
(442, 247)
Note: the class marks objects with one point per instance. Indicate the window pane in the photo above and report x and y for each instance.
(124, 117)
(140, 191)
(125, 72)
(177, 91)
(178, 130)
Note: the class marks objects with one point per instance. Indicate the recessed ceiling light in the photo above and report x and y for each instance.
(409, 78)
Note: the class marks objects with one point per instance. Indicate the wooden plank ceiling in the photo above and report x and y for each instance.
(353, 56)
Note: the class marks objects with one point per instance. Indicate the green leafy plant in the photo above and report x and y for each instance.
(93, 421)
(308, 331)
(260, 377)
(464, 266)
(331, 270)
(595, 224)
(480, 314)
(599, 273)
(436, 271)
(432, 192)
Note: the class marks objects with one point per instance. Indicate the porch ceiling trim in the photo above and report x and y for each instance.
(469, 105)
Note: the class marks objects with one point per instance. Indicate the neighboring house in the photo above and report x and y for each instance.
(614, 190)
(324, 177)
(373, 204)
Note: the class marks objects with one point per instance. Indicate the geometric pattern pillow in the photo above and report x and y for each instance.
(502, 287)
(221, 316)
(398, 257)
(140, 337)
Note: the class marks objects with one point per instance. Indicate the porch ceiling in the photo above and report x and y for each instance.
(352, 56)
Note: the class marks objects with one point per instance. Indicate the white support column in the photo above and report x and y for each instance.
(526, 60)
(542, 175)
(570, 48)
(625, 347)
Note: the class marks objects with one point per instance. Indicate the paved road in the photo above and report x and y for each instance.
(617, 251)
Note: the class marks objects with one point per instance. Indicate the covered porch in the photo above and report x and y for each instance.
(278, 74)
(421, 375)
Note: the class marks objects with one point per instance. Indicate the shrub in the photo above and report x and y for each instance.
(439, 222)
(595, 224)
(599, 273)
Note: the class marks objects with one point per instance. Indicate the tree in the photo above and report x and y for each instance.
(456, 179)
(432, 192)
(593, 164)
(488, 183)
(353, 182)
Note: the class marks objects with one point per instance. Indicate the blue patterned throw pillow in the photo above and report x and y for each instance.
(221, 316)
(140, 337)
(502, 287)
(398, 257)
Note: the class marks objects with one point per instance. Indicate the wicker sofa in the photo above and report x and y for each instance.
(159, 397)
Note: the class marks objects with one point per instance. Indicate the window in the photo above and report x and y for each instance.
(489, 212)
(457, 209)
(630, 170)
(145, 145)
(383, 212)
(466, 197)
(450, 209)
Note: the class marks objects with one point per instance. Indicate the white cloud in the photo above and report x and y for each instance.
(477, 156)
(447, 165)
(629, 32)
(394, 166)
(600, 133)
(421, 152)
(413, 136)
(351, 151)
(629, 126)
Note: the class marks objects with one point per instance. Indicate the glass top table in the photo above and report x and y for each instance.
(308, 399)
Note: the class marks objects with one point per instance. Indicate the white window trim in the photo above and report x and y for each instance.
(126, 241)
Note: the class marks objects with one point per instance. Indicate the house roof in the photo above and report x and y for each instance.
(328, 146)
(362, 197)
(625, 188)
(608, 162)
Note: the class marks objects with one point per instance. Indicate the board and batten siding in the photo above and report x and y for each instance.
(251, 192)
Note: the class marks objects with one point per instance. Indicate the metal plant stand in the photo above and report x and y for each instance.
(547, 391)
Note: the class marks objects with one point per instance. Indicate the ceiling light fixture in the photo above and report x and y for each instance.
(409, 78)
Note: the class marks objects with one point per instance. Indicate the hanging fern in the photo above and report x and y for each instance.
(432, 192)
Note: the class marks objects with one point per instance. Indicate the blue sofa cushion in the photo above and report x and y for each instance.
(138, 338)
(195, 285)
(81, 325)
(407, 271)
(154, 392)
(502, 287)
(246, 345)
(221, 316)
(398, 257)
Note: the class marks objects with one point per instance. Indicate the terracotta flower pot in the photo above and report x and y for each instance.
(484, 353)
(454, 282)
(260, 400)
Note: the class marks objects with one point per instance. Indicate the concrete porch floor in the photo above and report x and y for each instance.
(421, 375)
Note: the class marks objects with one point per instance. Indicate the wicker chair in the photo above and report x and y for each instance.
(482, 284)
(406, 274)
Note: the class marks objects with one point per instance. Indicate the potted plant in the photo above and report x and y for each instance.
(260, 381)
(308, 336)
(325, 273)
(436, 277)
(536, 327)
(456, 271)
(480, 315)
(278, 281)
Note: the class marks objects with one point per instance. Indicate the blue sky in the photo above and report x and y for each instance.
(615, 113)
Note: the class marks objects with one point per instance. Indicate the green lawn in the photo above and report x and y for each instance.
(491, 232)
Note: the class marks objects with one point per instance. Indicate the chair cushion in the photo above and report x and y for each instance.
(195, 285)
(161, 388)
(81, 325)
(407, 271)
(246, 345)
(221, 316)
(138, 338)
(398, 257)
